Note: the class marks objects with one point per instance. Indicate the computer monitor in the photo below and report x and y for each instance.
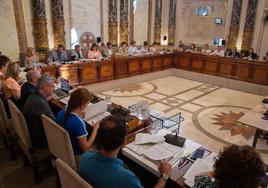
(219, 42)
(218, 21)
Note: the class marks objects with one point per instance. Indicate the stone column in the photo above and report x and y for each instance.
(157, 21)
(131, 25)
(113, 22)
(249, 24)
(40, 28)
(123, 21)
(172, 22)
(234, 26)
(149, 21)
(58, 22)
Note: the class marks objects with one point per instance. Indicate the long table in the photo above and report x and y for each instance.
(117, 67)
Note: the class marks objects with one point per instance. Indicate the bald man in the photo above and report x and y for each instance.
(29, 87)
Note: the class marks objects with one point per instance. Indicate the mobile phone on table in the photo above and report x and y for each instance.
(199, 153)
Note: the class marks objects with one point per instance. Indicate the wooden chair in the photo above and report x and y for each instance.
(6, 129)
(68, 177)
(59, 142)
(30, 154)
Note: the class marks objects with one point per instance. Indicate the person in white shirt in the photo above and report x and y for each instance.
(219, 52)
(153, 48)
(205, 49)
(145, 48)
(132, 49)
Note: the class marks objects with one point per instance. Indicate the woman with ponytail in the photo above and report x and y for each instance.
(72, 120)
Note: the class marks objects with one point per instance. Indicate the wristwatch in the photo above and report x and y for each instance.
(165, 176)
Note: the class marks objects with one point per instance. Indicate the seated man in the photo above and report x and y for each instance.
(123, 50)
(35, 106)
(146, 47)
(132, 49)
(29, 87)
(233, 53)
(108, 51)
(250, 55)
(103, 169)
(219, 52)
(58, 55)
(77, 53)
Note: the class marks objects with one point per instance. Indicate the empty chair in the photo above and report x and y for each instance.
(59, 142)
(68, 177)
(32, 155)
(6, 130)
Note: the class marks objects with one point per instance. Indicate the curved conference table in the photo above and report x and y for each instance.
(117, 67)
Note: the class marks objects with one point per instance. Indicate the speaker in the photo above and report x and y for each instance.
(165, 37)
(223, 42)
(98, 39)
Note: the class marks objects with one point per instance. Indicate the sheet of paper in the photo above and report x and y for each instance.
(98, 117)
(199, 166)
(65, 100)
(139, 149)
(145, 138)
(162, 151)
(95, 109)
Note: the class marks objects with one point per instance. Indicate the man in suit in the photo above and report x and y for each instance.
(36, 105)
(251, 55)
(77, 53)
(58, 55)
(29, 87)
(233, 53)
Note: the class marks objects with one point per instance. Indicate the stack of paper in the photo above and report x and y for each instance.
(163, 151)
(199, 166)
(145, 138)
(95, 112)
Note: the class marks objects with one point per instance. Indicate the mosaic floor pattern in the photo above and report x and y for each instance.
(211, 112)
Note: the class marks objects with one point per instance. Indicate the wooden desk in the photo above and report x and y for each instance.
(125, 66)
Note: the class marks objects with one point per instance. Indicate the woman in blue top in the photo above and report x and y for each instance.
(71, 120)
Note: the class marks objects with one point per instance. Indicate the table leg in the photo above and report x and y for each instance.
(257, 134)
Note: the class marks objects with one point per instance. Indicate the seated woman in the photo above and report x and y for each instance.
(94, 53)
(4, 60)
(205, 49)
(123, 49)
(11, 87)
(31, 58)
(236, 166)
(71, 120)
(192, 49)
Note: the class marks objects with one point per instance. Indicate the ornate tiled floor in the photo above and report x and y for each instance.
(211, 112)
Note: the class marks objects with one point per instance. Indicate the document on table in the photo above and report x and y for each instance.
(95, 112)
(199, 166)
(162, 151)
(145, 138)
(65, 100)
(139, 149)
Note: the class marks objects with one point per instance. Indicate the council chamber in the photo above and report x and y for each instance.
(134, 93)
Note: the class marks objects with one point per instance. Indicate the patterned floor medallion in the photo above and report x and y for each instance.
(229, 121)
(130, 89)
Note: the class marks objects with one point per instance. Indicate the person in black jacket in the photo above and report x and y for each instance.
(35, 106)
(233, 53)
(251, 55)
(29, 87)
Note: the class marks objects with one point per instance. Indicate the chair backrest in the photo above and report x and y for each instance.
(3, 117)
(20, 125)
(68, 177)
(59, 142)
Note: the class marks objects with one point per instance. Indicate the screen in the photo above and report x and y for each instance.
(219, 42)
(218, 20)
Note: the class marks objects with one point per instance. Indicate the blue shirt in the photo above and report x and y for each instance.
(106, 172)
(76, 128)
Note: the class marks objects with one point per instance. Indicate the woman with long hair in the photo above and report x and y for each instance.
(72, 120)
(31, 58)
(94, 53)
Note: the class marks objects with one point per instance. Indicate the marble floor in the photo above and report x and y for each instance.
(211, 112)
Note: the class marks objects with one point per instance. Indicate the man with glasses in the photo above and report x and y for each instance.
(36, 105)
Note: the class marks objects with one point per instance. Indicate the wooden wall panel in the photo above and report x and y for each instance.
(211, 65)
(198, 62)
(134, 66)
(156, 64)
(146, 65)
(260, 74)
(167, 62)
(50, 70)
(69, 72)
(88, 73)
(106, 70)
(242, 72)
(121, 67)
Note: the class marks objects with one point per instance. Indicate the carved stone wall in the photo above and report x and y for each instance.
(234, 26)
(249, 24)
(124, 21)
(40, 27)
(58, 22)
(113, 22)
(157, 21)
(172, 22)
